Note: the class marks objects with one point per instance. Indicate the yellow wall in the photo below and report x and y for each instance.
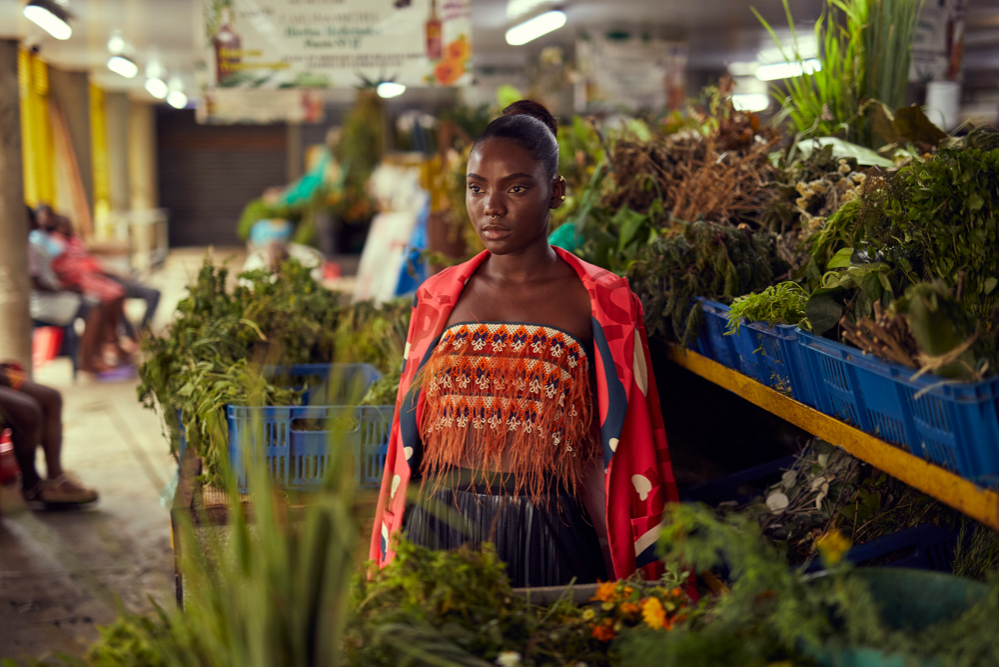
(36, 130)
(102, 174)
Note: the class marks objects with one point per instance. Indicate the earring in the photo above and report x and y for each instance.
(562, 198)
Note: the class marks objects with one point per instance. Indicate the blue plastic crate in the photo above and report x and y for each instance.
(723, 348)
(294, 456)
(771, 355)
(953, 424)
(297, 457)
(922, 547)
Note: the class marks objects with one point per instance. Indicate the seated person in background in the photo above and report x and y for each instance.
(34, 414)
(270, 247)
(53, 303)
(76, 248)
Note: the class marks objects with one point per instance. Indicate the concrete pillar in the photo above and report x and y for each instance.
(143, 189)
(15, 281)
(295, 152)
(71, 91)
(116, 107)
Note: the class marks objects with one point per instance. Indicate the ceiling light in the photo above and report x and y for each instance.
(52, 17)
(177, 99)
(743, 69)
(787, 70)
(157, 88)
(533, 28)
(751, 102)
(387, 89)
(116, 43)
(123, 65)
(517, 8)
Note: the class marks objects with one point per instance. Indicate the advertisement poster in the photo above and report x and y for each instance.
(224, 106)
(625, 71)
(336, 43)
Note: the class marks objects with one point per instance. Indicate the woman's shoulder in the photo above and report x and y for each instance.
(451, 279)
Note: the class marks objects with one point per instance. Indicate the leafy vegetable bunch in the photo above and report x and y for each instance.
(783, 303)
(773, 614)
(208, 356)
(700, 259)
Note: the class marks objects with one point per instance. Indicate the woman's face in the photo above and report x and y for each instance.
(509, 196)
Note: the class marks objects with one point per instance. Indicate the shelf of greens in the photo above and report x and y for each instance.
(209, 368)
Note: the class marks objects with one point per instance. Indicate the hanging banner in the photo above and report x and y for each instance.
(632, 71)
(225, 106)
(336, 43)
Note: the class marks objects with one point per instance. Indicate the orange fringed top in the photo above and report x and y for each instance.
(511, 397)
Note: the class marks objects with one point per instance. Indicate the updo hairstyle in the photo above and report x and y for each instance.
(532, 127)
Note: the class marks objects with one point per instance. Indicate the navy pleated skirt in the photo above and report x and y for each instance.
(543, 544)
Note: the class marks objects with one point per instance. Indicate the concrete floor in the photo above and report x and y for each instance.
(61, 572)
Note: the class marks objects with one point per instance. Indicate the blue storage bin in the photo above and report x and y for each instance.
(777, 360)
(723, 348)
(922, 547)
(296, 457)
(953, 424)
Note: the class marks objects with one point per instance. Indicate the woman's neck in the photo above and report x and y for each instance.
(531, 264)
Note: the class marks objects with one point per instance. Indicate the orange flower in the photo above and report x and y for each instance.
(676, 592)
(604, 632)
(653, 613)
(605, 591)
(458, 50)
(630, 608)
(448, 71)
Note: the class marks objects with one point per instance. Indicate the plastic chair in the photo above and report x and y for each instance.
(70, 342)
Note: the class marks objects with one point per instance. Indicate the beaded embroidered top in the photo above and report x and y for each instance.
(513, 394)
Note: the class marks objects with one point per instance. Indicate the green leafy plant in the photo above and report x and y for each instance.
(783, 303)
(700, 259)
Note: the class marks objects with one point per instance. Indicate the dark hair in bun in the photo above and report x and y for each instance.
(531, 126)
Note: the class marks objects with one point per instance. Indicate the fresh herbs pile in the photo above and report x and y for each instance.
(209, 357)
(458, 606)
(700, 259)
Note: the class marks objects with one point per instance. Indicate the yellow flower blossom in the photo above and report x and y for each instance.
(832, 546)
(653, 613)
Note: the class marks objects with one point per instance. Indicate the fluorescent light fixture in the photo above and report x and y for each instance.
(517, 8)
(743, 69)
(533, 28)
(157, 88)
(50, 16)
(751, 102)
(116, 43)
(387, 89)
(123, 65)
(787, 70)
(177, 99)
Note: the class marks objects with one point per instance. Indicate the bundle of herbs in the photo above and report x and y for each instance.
(773, 614)
(207, 357)
(925, 235)
(720, 172)
(700, 259)
(457, 608)
(827, 490)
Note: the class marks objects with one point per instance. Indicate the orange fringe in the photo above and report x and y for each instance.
(514, 395)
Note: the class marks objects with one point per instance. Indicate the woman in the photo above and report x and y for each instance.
(526, 405)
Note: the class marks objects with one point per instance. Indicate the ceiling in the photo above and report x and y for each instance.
(718, 31)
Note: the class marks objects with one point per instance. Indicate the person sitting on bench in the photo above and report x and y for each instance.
(33, 412)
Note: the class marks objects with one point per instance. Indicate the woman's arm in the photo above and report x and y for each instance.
(594, 497)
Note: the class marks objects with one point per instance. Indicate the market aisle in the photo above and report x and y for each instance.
(60, 571)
